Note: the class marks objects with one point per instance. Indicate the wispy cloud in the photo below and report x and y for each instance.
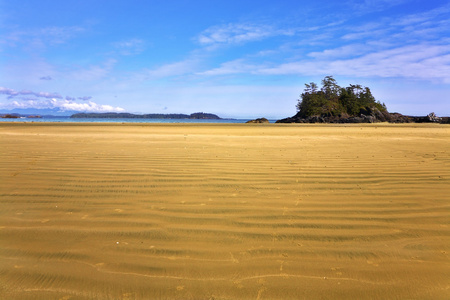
(132, 46)
(232, 67)
(238, 33)
(40, 38)
(350, 50)
(409, 28)
(58, 35)
(179, 68)
(427, 62)
(85, 98)
(424, 17)
(388, 47)
(369, 30)
(367, 6)
(12, 93)
(93, 72)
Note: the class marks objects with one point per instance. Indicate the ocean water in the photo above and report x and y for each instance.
(114, 120)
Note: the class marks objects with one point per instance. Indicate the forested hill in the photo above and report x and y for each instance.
(353, 104)
(197, 116)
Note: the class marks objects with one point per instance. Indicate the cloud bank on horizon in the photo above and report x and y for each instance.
(232, 59)
(42, 100)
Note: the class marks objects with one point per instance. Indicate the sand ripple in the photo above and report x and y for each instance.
(148, 211)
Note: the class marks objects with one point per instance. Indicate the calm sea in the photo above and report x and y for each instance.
(114, 120)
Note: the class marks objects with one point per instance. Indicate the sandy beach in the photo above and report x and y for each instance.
(224, 211)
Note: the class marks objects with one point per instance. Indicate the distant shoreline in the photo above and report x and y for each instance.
(211, 118)
(68, 119)
(195, 116)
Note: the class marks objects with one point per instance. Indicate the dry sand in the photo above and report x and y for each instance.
(153, 211)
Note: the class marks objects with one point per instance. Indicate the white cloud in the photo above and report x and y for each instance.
(88, 107)
(44, 100)
(63, 105)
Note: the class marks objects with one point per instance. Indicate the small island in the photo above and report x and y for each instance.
(353, 104)
(258, 121)
(195, 116)
(10, 116)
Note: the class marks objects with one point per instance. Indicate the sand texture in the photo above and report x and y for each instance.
(234, 211)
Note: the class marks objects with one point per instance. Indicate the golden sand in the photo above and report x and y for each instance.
(235, 211)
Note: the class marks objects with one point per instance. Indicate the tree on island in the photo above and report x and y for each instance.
(333, 100)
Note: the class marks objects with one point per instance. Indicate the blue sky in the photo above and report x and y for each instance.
(238, 59)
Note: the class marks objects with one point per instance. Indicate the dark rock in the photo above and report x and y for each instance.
(367, 115)
(201, 115)
(259, 120)
(433, 118)
(445, 120)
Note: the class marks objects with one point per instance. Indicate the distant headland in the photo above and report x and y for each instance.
(195, 116)
(18, 116)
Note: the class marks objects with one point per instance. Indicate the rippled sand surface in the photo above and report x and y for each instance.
(235, 211)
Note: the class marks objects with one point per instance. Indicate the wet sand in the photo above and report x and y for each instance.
(226, 211)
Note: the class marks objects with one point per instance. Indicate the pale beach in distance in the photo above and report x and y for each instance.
(224, 211)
